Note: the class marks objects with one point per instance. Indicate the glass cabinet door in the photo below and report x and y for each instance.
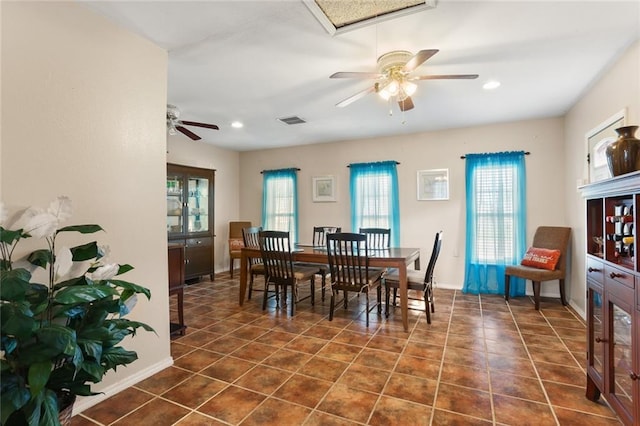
(621, 365)
(597, 332)
(175, 203)
(198, 205)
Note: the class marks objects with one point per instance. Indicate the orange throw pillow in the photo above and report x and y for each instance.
(541, 258)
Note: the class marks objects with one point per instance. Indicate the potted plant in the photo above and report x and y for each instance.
(59, 337)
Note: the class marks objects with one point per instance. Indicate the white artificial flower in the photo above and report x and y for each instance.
(129, 304)
(64, 262)
(40, 224)
(105, 272)
(61, 208)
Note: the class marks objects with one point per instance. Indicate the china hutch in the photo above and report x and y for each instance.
(613, 294)
(190, 194)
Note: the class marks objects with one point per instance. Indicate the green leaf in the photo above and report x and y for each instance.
(124, 269)
(40, 258)
(14, 284)
(83, 294)
(38, 376)
(50, 409)
(12, 399)
(94, 370)
(83, 229)
(8, 236)
(92, 348)
(131, 286)
(58, 337)
(17, 320)
(85, 252)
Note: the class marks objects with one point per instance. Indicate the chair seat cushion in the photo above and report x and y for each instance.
(304, 272)
(533, 274)
(415, 279)
(258, 268)
(541, 258)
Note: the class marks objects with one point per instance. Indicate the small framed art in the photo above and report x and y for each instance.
(433, 184)
(324, 189)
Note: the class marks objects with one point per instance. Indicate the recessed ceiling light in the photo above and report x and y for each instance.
(490, 85)
(237, 125)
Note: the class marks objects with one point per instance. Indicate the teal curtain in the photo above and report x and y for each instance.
(280, 201)
(374, 197)
(496, 221)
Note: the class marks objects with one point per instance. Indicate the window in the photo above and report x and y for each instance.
(374, 197)
(280, 201)
(496, 219)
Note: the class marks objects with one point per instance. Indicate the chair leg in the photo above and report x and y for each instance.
(427, 307)
(332, 305)
(367, 309)
(387, 294)
(313, 291)
(507, 286)
(379, 295)
(345, 299)
(563, 297)
(395, 294)
(536, 294)
(266, 293)
(231, 267)
(324, 284)
(294, 297)
(250, 284)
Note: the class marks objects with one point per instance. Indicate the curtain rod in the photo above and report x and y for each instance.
(277, 170)
(462, 157)
(397, 162)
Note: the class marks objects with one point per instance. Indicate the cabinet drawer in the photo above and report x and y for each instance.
(620, 275)
(198, 242)
(595, 270)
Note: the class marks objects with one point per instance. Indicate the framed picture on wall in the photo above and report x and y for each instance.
(324, 189)
(433, 184)
(598, 139)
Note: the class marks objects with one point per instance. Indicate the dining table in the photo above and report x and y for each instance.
(393, 257)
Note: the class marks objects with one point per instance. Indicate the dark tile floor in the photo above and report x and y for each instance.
(481, 361)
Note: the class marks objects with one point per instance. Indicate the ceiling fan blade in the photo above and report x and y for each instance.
(355, 97)
(356, 75)
(188, 133)
(418, 59)
(195, 123)
(445, 77)
(406, 104)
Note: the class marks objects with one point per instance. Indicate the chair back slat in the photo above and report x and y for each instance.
(319, 233)
(348, 260)
(275, 249)
(377, 238)
(428, 276)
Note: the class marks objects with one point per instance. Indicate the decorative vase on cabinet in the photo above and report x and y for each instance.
(623, 154)
(190, 202)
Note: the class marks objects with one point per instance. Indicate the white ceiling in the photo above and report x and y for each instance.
(256, 61)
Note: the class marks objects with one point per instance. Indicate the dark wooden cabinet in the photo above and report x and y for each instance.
(613, 294)
(190, 222)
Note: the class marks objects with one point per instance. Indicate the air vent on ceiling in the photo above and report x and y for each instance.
(338, 16)
(291, 120)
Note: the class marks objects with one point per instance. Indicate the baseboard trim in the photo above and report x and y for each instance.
(84, 402)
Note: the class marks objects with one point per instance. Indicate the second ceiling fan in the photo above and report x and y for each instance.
(174, 124)
(394, 79)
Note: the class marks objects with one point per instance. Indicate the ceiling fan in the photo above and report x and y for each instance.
(174, 125)
(394, 79)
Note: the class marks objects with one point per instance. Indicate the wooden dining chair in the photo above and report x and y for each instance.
(319, 240)
(251, 238)
(555, 238)
(235, 242)
(275, 248)
(349, 267)
(416, 281)
(377, 238)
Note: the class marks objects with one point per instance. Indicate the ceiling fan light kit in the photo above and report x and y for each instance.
(394, 79)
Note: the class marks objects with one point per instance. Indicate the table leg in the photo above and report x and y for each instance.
(243, 277)
(404, 296)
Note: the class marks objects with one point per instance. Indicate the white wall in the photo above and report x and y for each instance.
(182, 150)
(618, 88)
(420, 220)
(83, 115)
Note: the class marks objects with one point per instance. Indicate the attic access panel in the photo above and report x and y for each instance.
(338, 16)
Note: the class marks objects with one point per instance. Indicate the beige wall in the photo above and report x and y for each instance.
(618, 88)
(420, 220)
(83, 105)
(182, 150)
